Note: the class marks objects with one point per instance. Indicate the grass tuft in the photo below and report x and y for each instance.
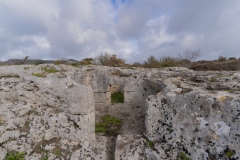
(117, 97)
(49, 69)
(15, 156)
(150, 144)
(109, 125)
(182, 156)
(57, 152)
(44, 157)
(39, 75)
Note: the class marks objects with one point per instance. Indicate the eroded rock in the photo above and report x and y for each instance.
(187, 113)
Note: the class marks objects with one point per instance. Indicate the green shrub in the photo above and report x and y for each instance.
(110, 60)
(232, 58)
(109, 125)
(117, 97)
(15, 156)
(86, 61)
(137, 64)
(221, 58)
(151, 62)
(169, 62)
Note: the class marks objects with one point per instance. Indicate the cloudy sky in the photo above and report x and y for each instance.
(133, 29)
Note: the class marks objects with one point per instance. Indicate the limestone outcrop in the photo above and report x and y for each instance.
(45, 116)
(50, 111)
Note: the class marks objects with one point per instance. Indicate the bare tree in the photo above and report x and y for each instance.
(190, 55)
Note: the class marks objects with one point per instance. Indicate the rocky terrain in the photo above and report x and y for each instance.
(50, 112)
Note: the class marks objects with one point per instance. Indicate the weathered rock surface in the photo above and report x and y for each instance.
(202, 124)
(45, 116)
(166, 112)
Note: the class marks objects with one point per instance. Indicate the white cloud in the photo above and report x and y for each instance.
(188, 40)
(156, 34)
(134, 29)
(42, 42)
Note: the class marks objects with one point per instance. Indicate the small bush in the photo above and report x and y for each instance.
(221, 58)
(232, 58)
(15, 156)
(151, 62)
(86, 61)
(110, 60)
(169, 62)
(137, 64)
(109, 125)
(117, 97)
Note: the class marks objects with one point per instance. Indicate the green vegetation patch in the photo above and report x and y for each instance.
(117, 97)
(130, 67)
(213, 79)
(15, 156)
(49, 69)
(150, 143)
(109, 125)
(230, 153)
(39, 75)
(27, 68)
(60, 61)
(44, 157)
(182, 156)
(57, 152)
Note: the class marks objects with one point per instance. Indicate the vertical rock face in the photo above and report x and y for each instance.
(137, 90)
(99, 81)
(204, 125)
